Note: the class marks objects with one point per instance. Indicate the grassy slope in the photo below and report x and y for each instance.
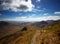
(8, 30)
(47, 35)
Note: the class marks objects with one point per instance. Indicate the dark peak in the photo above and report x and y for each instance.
(3, 23)
(44, 22)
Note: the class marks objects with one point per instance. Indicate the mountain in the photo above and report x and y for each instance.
(40, 24)
(31, 34)
(7, 28)
(3, 23)
(45, 23)
(20, 23)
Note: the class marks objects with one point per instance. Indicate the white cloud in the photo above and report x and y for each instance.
(22, 17)
(37, 10)
(33, 15)
(33, 19)
(38, 7)
(38, 0)
(17, 5)
(0, 14)
(45, 14)
(56, 12)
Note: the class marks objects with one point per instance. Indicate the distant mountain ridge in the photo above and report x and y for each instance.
(45, 23)
(39, 24)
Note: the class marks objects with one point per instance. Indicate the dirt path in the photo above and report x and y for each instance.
(35, 36)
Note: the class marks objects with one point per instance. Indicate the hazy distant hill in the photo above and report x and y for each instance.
(19, 23)
(31, 34)
(7, 28)
(45, 23)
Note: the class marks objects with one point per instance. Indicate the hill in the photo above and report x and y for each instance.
(7, 28)
(34, 35)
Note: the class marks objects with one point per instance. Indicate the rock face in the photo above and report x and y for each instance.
(33, 35)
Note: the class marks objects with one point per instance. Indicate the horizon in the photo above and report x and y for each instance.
(30, 21)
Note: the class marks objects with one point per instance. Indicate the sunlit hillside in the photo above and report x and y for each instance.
(33, 35)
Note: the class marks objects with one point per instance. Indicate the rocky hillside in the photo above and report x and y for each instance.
(34, 35)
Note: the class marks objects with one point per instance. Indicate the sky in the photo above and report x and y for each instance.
(29, 10)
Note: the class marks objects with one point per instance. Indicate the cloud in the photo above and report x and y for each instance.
(22, 17)
(56, 12)
(37, 10)
(16, 5)
(0, 14)
(33, 19)
(45, 14)
(38, 0)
